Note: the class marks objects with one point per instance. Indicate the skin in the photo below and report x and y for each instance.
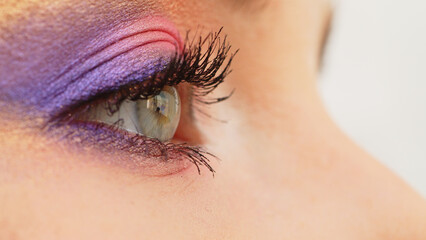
(286, 170)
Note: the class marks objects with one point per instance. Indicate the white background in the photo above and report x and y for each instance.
(374, 81)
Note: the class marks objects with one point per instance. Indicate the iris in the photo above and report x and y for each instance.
(154, 117)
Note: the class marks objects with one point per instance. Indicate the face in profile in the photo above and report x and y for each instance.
(181, 119)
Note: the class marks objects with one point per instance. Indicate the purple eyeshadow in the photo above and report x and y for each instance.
(113, 59)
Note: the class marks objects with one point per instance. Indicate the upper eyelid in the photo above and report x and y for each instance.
(100, 79)
(108, 58)
(89, 62)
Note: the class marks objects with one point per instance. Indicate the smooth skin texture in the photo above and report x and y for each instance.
(286, 171)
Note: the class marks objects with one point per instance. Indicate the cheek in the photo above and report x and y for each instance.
(46, 194)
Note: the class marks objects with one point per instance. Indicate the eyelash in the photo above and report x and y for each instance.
(204, 71)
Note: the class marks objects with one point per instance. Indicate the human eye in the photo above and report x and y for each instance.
(145, 119)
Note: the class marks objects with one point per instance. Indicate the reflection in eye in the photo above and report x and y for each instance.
(155, 117)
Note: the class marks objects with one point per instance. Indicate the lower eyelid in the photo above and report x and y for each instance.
(136, 153)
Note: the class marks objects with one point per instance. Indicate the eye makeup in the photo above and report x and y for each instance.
(141, 72)
(137, 51)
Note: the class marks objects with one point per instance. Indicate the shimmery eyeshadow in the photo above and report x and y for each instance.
(116, 61)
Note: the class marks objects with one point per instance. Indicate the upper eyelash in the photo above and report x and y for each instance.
(193, 66)
(203, 70)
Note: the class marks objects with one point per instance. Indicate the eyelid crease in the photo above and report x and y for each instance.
(102, 48)
(154, 24)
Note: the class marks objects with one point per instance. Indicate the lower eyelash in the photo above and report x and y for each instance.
(110, 138)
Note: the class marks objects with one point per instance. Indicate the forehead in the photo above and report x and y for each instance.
(19, 15)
